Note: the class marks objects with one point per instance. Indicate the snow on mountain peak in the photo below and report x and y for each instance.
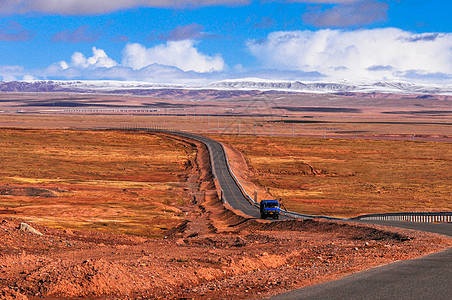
(242, 84)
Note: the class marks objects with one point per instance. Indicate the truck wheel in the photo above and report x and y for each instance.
(277, 217)
(263, 217)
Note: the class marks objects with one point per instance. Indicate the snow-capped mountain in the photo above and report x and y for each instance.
(335, 87)
(248, 84)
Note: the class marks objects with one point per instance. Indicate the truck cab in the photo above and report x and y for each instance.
(269, 208)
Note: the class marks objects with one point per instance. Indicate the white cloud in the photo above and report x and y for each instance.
(99, 60)
(28, 78)
(359, 54)
(172, 62)
(63, 65)
(375, 54)
(12, 73)
(180, 54)
(153, 73)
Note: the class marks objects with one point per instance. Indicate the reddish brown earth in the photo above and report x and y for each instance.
(215, 253)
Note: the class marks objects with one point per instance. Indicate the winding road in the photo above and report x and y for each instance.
(232, 194)
(428, 277)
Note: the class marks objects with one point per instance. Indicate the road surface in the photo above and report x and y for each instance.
(428, 277)
(231, 191)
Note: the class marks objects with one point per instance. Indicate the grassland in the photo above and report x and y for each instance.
(113, 181)
(348, 177)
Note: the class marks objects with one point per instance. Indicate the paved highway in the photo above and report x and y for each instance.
(423, 278)
(428, 277)
(231, 192)
(441, 228)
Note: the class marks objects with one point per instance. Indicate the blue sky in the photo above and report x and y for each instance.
(184, 41)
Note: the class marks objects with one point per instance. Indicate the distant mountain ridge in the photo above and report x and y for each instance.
(335, 87)
(236, 88)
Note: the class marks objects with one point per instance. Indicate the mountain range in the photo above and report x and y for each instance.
(237, 88)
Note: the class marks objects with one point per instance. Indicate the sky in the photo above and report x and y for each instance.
(199, 41)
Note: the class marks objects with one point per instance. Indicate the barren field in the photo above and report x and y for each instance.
(347, 177)
(212, 252)
(94, 180)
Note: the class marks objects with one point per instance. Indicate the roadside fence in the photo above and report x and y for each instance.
(429, 217)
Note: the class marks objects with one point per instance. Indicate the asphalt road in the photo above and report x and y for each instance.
(428, 277)
(231, 192)
(441, 228)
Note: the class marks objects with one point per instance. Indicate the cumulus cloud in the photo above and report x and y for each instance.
(14, 32)
(80, 35)
(82, 7)
(99, 59)
(153, 73)
(357, 54)
(181, 54)
(350, 14)
(173, 62)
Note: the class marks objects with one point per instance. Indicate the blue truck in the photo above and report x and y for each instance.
(269, 208)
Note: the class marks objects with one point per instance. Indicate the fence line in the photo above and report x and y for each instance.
(429, 217)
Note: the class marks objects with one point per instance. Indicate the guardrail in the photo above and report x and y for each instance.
(429, 217)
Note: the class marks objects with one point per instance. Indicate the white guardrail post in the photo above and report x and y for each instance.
(424, 217)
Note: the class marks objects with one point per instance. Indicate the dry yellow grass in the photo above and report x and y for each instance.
(347, 177)
(123, 182)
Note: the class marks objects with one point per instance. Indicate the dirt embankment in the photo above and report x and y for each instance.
(214, 253)
(241, 169)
